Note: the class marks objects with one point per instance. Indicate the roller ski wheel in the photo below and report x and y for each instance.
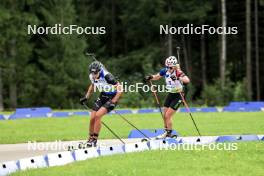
(144, 140)
(81, 145)
(71, 148)
(174, 136)
(90, 143)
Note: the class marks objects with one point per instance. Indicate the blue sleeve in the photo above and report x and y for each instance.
(163, 72)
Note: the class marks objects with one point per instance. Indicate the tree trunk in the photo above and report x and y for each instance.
(113, 24)
(169, 44)
(223, 45)
(169, 35)
(203, 61)
(12, 75)
(185, 56)
(248, 49)
(12, 89)
(257, 50)
(1, 92)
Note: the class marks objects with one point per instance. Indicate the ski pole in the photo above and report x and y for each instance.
(125, 119)
(157, 99)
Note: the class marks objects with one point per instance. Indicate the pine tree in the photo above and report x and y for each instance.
(60, 64)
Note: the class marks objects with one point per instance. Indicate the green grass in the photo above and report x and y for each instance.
(247, 160)
(6, 112)
(75, 128)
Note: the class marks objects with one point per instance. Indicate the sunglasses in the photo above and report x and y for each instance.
(170, 68)
(94, 73)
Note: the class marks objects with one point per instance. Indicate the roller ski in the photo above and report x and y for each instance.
(92, 142)
(162, 136)
(71, 148)
(75, 147)
(166, 134)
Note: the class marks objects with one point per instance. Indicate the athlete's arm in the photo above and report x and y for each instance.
(87, 95)
(89, 91)
(110, 79)
(119, 92)
(156, 77)
(182, 77)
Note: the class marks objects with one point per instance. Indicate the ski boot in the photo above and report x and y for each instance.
(166, 134)
(91, 143)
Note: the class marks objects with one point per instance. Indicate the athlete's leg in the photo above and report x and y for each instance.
(92, 122)
(171, 105)
(95, 126)
(92, 134)
(167, 103)
(164, 119)
(98, 116)
(166, 108)
(174, 105)
(168, 117)
(167, 124)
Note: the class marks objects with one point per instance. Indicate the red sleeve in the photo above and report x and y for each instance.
(179, 73)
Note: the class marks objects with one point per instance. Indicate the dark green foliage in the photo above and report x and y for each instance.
(51, 70)
(213, 95)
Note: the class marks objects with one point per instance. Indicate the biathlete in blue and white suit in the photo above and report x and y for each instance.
(110, 91)
(175, 81)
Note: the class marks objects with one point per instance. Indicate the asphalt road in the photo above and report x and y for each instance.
(11, 152)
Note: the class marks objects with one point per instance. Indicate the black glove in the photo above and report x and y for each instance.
(174, 78)
(109, 105)
(83, 100)
(147, 78)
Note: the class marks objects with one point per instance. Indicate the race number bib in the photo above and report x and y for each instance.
(173, 86)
